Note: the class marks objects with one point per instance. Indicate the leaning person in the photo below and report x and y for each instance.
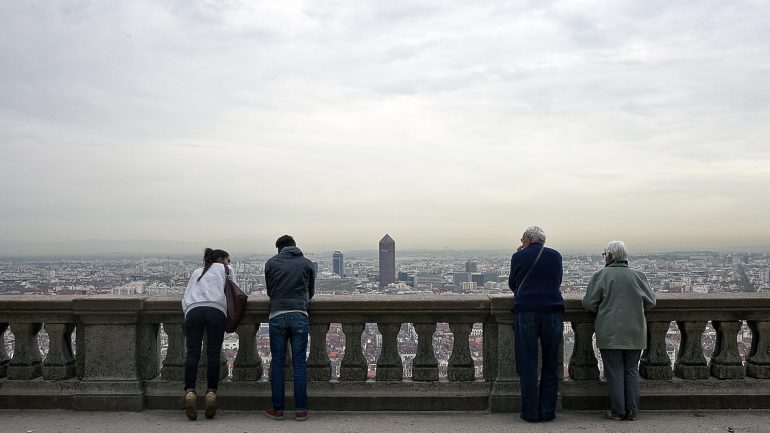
(205, 308)
(535, 279)
(290, 284)
(619, 296)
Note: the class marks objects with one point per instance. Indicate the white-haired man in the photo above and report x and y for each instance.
(535, 280)
(619, 296)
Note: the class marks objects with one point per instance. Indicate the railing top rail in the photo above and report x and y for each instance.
(712, 306)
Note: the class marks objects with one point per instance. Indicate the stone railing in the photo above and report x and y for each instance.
(116, 361)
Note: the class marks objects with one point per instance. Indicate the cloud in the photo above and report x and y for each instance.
(342, 121)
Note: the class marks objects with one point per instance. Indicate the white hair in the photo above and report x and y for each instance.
(535, 234)
(617, 249)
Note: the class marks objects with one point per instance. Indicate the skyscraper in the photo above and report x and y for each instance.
(387, 261)
(471, 266)
(337, 263)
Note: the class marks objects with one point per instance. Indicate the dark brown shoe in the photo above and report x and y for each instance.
(211, 404)
(301, 415)
(612, 416)
(274, 414)
(191, 405)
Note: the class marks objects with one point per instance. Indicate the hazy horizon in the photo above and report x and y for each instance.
(150, 248)
(448, 126)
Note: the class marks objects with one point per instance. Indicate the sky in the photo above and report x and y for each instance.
(448, 125)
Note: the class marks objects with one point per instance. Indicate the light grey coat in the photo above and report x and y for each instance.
(619, 296)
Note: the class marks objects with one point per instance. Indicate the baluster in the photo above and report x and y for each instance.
(389, 365)
(490, 343)
(353, 366)
(80, 349)
(460, 362)
(758, 363)
(582, 363)
(59, 362)
(425, 366)
(148, 350)
(726, 362)
(655, 363)
(690, 362)
(173, 364)
(26, 362)
(247, 364)
(319, 368)
(3, 355)
(506, 355)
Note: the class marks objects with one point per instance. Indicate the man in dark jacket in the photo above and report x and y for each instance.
(535, 280)
(290, 283)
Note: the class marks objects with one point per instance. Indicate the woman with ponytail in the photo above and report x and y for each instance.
(205, 308)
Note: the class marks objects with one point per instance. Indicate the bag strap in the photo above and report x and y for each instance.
(531, 267)
(227, 274)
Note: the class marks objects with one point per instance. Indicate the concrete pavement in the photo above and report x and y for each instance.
(55, 421)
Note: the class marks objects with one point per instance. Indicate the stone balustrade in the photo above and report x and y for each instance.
(116, 362)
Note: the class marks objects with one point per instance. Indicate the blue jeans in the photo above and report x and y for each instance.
(538, 404)
(285, 328)
(621, 369)
(213, 321)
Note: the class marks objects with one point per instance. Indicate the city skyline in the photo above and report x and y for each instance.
(450, 126)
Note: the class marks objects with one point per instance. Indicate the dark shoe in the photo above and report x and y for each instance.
(211, 404)
(630, 415)
(529, 419)
(610, 415)
(274, 414)
(301, 415)
(191, 405)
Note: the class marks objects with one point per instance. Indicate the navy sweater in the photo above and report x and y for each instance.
(540, 292)
(290, 280)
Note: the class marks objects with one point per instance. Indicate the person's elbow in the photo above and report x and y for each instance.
(589, 306)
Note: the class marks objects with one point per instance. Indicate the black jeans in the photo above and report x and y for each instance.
(197, 320)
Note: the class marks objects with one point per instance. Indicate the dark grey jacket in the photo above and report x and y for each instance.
(290, 280)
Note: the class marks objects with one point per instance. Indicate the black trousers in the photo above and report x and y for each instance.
(213, 322)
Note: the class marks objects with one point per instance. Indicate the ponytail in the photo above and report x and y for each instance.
(210, 257)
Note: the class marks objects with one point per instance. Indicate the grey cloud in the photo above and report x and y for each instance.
(116, 114)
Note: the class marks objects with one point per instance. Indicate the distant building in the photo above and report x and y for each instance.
(387, 261)
(315, 267)
(458, 278)
(491, 276)
(471, 266)
(477, 278)
(338, 266)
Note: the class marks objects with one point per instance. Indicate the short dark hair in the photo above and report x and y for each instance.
(285, 241)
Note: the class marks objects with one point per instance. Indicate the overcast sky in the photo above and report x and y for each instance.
(445, 124)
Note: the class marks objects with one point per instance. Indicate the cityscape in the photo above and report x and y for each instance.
(386, 272)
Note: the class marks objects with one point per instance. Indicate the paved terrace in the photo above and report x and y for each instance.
(53, 421)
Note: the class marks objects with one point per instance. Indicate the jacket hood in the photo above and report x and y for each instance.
(294, 251)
